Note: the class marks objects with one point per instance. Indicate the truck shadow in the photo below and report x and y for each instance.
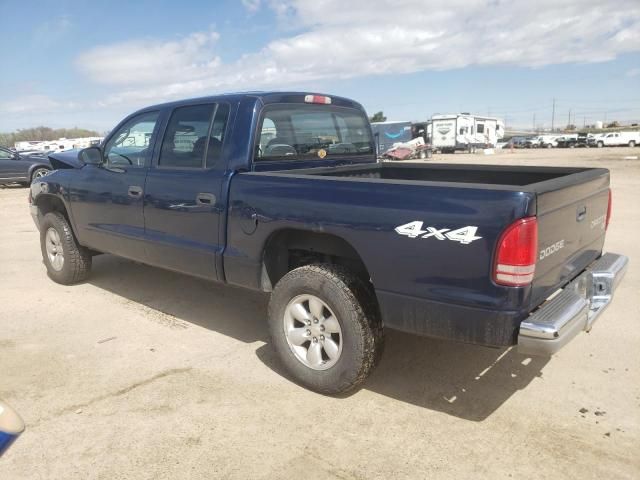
(235, 312)
(464, 381)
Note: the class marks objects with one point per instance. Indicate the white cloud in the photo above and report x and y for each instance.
(150, 62)
(361, 37)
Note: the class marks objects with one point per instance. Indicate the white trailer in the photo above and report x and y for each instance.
(465, 132)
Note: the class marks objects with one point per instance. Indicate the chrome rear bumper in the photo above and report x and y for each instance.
(574, 309)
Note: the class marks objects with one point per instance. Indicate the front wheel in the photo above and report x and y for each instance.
(600, 144)
(67, 262)
(325, 327)
(632, 143)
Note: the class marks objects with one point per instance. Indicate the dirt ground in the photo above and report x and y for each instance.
(145, 374)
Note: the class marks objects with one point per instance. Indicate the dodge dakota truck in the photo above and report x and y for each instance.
(282, 193)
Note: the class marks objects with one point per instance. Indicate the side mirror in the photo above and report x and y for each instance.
(90, 156)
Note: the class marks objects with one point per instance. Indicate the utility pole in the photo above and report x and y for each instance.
(534, 122)
(584, 122)
(553, 114)
(569, 123)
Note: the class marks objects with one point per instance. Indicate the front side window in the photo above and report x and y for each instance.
(4, 155)
(307, 132)
(132, 143)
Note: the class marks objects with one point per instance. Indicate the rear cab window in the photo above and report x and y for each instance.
(308, 132)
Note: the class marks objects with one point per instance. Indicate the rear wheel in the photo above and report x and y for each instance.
(67, 262)
(325, 327)
(39, 173)
(632, 143)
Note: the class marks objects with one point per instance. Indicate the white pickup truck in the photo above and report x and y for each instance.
(618, 139)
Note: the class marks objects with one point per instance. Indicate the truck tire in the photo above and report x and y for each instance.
(600, 144)
(325, 326)
(67, 262)
(632, 143)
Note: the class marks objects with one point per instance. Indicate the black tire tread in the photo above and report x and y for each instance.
(77, 259)
(361, 300)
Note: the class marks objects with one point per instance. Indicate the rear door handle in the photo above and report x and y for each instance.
(135, 191)
(206, 199)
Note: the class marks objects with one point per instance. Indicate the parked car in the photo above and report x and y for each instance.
(567, 141)
(22, 168)
(548, 141)
(516, 142)
(619, 139)
(282, 193)
(532, 142)
(585, 140)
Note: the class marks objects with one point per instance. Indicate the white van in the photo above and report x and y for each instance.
(618, 139)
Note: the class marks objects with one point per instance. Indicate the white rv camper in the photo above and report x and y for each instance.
(465, 132)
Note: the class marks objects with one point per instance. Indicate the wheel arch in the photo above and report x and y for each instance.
(47, 202)
(287, 249)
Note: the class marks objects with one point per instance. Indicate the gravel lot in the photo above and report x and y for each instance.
(142, 373)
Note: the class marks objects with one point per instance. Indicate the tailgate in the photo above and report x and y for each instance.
(572, 212)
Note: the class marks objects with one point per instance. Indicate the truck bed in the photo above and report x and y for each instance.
(432, 286)
(507, 177)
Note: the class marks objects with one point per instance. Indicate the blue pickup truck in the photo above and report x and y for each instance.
(282, 193)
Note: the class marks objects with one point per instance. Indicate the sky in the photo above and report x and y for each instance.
(88, 64)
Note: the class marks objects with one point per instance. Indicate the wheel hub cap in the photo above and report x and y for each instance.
(313, 332)
(53, 246)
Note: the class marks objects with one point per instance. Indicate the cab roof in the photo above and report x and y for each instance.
(265, 97)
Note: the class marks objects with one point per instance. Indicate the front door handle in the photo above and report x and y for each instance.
(206, 199)
(135, 191)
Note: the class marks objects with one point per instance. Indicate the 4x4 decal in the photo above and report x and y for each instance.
(464, 235)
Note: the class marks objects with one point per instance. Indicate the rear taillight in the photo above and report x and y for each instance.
(515, 262)
(606, 225)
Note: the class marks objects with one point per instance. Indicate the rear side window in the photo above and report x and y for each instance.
(185, 141)
(216, 137)
(301, 131)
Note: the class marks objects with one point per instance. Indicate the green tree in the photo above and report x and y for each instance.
(45, 134)
(378, 117)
